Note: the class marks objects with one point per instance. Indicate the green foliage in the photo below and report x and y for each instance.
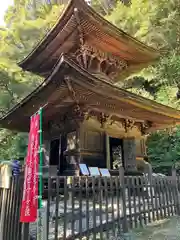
(13, 145)
(164, 148)
(25, 26)
(156, 24)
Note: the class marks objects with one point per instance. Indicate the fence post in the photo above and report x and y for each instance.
(25, 231)
(3, 212)
(5, 185)
(176, 195)
(123, 187)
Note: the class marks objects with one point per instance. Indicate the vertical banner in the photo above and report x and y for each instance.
(29, 206)
(41, 230)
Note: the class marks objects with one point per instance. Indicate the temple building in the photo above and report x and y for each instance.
(86, 117)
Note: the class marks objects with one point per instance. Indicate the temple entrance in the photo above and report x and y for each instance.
(57, 148)
(62, 163)
(54, 152)
(116, 153)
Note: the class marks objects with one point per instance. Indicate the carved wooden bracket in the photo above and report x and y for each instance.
(128, 124)
(145, 126)
(72, 92)
(71, 119)
(80, 112)
(105, 119)
(97, 61)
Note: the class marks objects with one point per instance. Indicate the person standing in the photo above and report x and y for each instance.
(16, 167)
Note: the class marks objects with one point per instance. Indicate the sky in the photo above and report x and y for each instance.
(3, 7)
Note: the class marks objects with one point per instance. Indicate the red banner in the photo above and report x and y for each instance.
(30, 192)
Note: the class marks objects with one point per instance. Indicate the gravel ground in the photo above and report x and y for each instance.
(168, 229)
(162, 230)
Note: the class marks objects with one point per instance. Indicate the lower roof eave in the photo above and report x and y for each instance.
(89, 82)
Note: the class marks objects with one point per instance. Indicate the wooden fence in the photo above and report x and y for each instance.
(90, 207)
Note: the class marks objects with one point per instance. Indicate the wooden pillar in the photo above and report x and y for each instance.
(107, 148)
(78, 149)
(129, 152)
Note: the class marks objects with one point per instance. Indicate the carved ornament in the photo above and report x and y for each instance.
(128, 124)
(71, 118)
(80, 112)
(105, 119)
(97, 61)
(72, 92)
(144, 127)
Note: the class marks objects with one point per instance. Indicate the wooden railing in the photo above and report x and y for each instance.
(97, 208)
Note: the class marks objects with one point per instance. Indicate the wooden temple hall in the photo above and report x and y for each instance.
(86, 117)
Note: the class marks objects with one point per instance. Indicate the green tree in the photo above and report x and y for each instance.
(164, 148)
(25, 26)
(156, 24)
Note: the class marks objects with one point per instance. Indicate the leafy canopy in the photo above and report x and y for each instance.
(25, 26)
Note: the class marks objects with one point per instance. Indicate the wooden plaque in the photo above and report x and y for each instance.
(94, 171)
(104, 172)
(84, 170)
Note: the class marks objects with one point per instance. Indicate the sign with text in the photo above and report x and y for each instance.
(104, 172)
(83, 168)
(94, 171)
(30, 192)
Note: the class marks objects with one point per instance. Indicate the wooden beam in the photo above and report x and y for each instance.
(107, 146)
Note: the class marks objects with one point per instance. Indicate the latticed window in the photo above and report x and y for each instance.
(117, 157)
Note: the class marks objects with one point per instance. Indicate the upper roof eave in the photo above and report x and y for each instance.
(103, 23)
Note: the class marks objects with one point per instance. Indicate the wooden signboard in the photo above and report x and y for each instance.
(84, 170)
(94, 171)
(104, 172)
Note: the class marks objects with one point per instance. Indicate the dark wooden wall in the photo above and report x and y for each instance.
(87, 145)
(129, 150)
(92, 145)
(140, 147)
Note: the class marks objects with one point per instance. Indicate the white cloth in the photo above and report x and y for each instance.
(5, 174)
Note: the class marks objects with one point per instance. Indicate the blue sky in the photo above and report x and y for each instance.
(3, 7)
